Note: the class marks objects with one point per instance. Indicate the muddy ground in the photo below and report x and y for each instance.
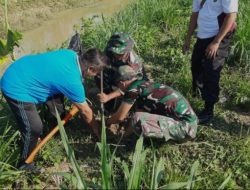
(31, 13)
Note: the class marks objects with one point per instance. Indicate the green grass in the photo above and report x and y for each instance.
(221, 148)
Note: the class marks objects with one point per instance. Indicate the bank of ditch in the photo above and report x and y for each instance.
(29, 14)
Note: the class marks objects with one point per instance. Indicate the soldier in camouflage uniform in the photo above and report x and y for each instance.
(120, 52)
(162, 112)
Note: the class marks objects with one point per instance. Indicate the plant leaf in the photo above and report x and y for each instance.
(174, 185)
(222, 186)
(192, 175)
(70, 153)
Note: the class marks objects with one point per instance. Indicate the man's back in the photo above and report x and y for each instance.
(159, 99)
(34, 78)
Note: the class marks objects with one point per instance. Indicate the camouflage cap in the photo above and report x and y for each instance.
(124, 73)
(120, 43)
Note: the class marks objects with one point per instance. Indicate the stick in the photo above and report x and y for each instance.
(102, 105)
(32, 155)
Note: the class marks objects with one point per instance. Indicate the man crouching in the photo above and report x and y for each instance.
(161, 111)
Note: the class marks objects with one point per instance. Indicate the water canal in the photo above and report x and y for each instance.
(52, 33)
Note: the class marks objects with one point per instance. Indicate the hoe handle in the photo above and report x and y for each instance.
(32, 155)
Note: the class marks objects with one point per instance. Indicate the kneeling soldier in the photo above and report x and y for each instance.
(162, 112)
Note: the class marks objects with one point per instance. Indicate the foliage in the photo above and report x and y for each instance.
(219, 156)
(7, 46)
(106, 159)
(79, 181)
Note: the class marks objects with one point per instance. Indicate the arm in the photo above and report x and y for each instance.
(87, 114)
(191, 28)
(211, 50)
(107, 97)
(121, 113)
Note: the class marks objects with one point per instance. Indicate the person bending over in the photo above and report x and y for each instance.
(161, 111)
(48, 77)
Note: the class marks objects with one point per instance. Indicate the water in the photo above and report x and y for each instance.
(51, 34)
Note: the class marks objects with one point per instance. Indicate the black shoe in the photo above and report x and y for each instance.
(205, 116)
(31, 168)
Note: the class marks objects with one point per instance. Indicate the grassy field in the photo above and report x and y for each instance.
(218, 158)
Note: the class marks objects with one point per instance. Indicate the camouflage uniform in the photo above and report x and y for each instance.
(164, 112)
(119, 43)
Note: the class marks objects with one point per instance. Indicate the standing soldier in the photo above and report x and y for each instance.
(162, 112)
(215, 22)
(120, 52)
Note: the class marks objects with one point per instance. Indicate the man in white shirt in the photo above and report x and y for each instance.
(215, 23)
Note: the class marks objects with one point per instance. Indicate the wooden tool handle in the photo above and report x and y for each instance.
(32, 155)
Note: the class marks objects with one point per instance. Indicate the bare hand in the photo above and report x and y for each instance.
(186, 46)
(212, 49)
(103, 98)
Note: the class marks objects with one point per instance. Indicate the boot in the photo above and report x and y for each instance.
(207, 113)
(31, 168)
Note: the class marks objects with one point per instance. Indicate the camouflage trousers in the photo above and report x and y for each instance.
(158, 126)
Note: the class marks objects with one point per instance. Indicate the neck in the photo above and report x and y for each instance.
(82, 67)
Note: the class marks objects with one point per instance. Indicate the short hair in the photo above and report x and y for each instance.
(95, 58)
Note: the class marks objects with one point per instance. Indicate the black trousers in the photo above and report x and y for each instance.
(29, 122)
(206, 72)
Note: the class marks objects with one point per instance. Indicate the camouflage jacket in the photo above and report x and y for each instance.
(159, 99)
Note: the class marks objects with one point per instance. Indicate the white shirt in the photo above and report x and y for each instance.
(207, 19)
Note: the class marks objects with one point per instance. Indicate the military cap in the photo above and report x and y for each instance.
(120, 43)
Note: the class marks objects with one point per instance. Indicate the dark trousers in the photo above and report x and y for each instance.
(29, 121)
(206, 72)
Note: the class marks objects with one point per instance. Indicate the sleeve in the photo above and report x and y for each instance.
(230, 6)
(196, 6)
(130, 96)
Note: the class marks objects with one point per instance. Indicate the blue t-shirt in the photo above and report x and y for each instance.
(35, 78)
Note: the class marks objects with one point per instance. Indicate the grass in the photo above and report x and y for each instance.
(218, 158)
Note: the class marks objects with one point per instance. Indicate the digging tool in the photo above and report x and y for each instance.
(32, 155)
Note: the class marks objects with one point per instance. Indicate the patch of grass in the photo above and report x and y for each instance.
(221, 147)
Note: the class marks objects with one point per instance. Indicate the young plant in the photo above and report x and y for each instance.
(106, 163)
(7, 46)
(79, 180)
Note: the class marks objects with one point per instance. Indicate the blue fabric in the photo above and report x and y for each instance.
(35, 78)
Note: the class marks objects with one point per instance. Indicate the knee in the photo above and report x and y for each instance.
(137, 117)
(37, 129)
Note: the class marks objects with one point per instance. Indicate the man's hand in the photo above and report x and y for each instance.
(103, 98)
(212, 49)
(186, 46)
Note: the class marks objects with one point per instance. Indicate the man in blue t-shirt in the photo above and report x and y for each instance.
(48, 77)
